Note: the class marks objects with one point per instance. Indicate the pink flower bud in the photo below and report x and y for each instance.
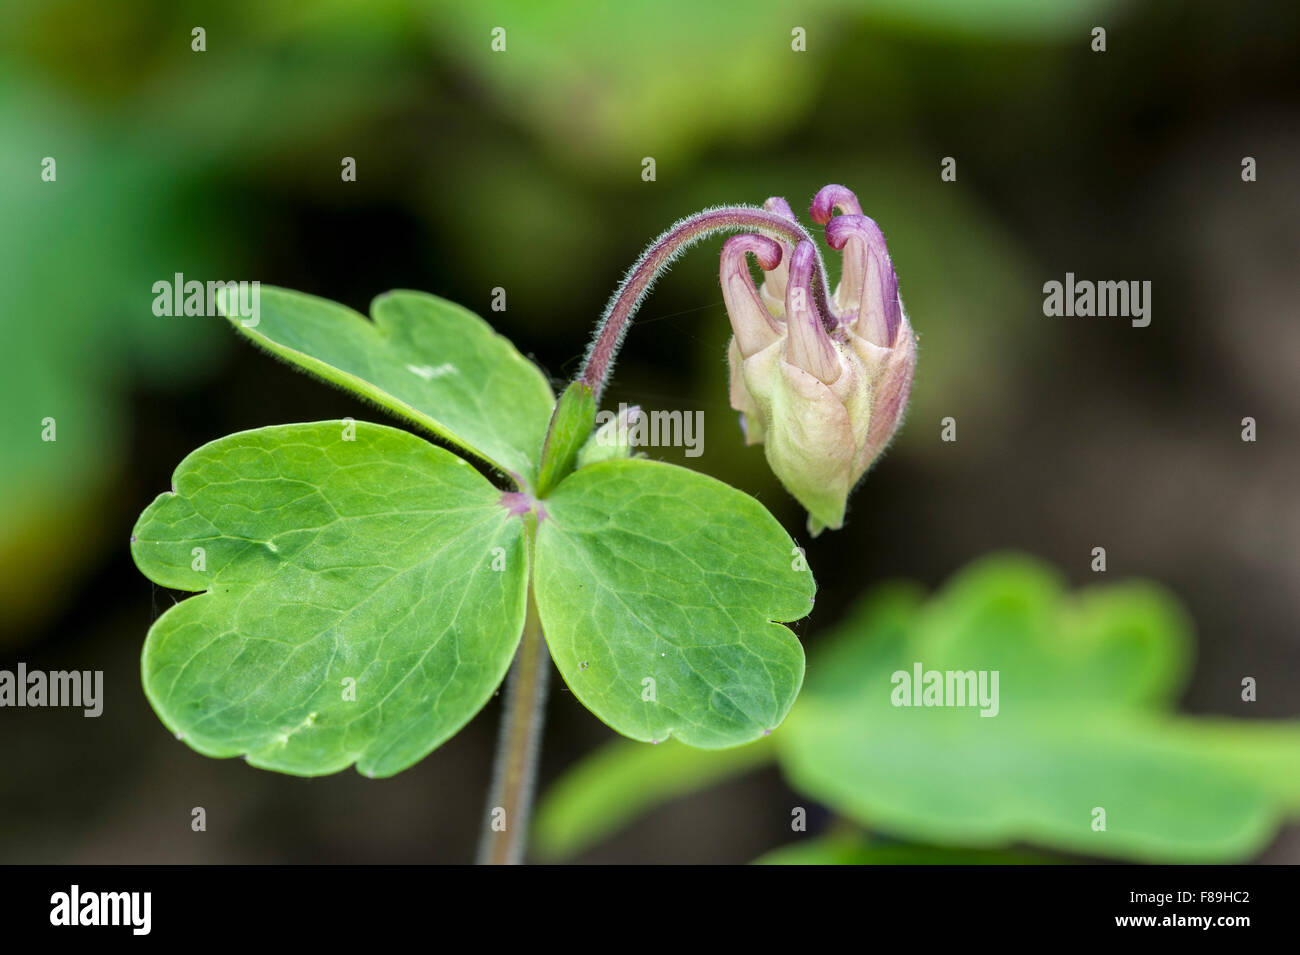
(824, 394)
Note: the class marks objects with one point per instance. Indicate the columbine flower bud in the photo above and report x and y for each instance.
(822, 393)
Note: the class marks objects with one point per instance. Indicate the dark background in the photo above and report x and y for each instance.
(523, 170)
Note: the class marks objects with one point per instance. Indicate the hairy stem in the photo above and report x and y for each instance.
(514, 777)
(636, 284)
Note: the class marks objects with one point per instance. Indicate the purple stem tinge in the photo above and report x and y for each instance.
(636, 284)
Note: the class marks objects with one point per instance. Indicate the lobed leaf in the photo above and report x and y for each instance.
(658, 590)
(424, 358)
(362, 594)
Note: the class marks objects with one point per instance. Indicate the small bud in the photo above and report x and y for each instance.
(823, 394)
(612, 440)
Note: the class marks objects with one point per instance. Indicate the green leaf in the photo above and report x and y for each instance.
(658, 588)
(424, 358)
(622, 780)
(1085, 684)
(575, 414)
(362, 597)
(842, 850)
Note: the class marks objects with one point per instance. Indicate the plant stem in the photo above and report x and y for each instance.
(514, 777)
(636, 284)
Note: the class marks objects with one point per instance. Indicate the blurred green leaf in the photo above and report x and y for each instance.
(1086, 681)
(622, 780)
(848, 850)
(1086, 685)
(79, 254)
(601, 84)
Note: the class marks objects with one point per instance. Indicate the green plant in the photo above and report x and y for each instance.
(362, 591)
(1083, 723)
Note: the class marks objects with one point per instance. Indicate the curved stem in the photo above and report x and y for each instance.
(514, 778)
(636, 284)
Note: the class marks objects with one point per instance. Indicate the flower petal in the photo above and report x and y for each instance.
(808, 346)
(869, 283)
(754, 325)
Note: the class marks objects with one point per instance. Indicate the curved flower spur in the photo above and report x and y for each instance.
(822, 392)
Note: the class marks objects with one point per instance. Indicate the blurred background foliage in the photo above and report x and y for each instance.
(1073, 749)
(523, 170)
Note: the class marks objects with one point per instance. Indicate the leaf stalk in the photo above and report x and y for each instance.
(514, 777)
